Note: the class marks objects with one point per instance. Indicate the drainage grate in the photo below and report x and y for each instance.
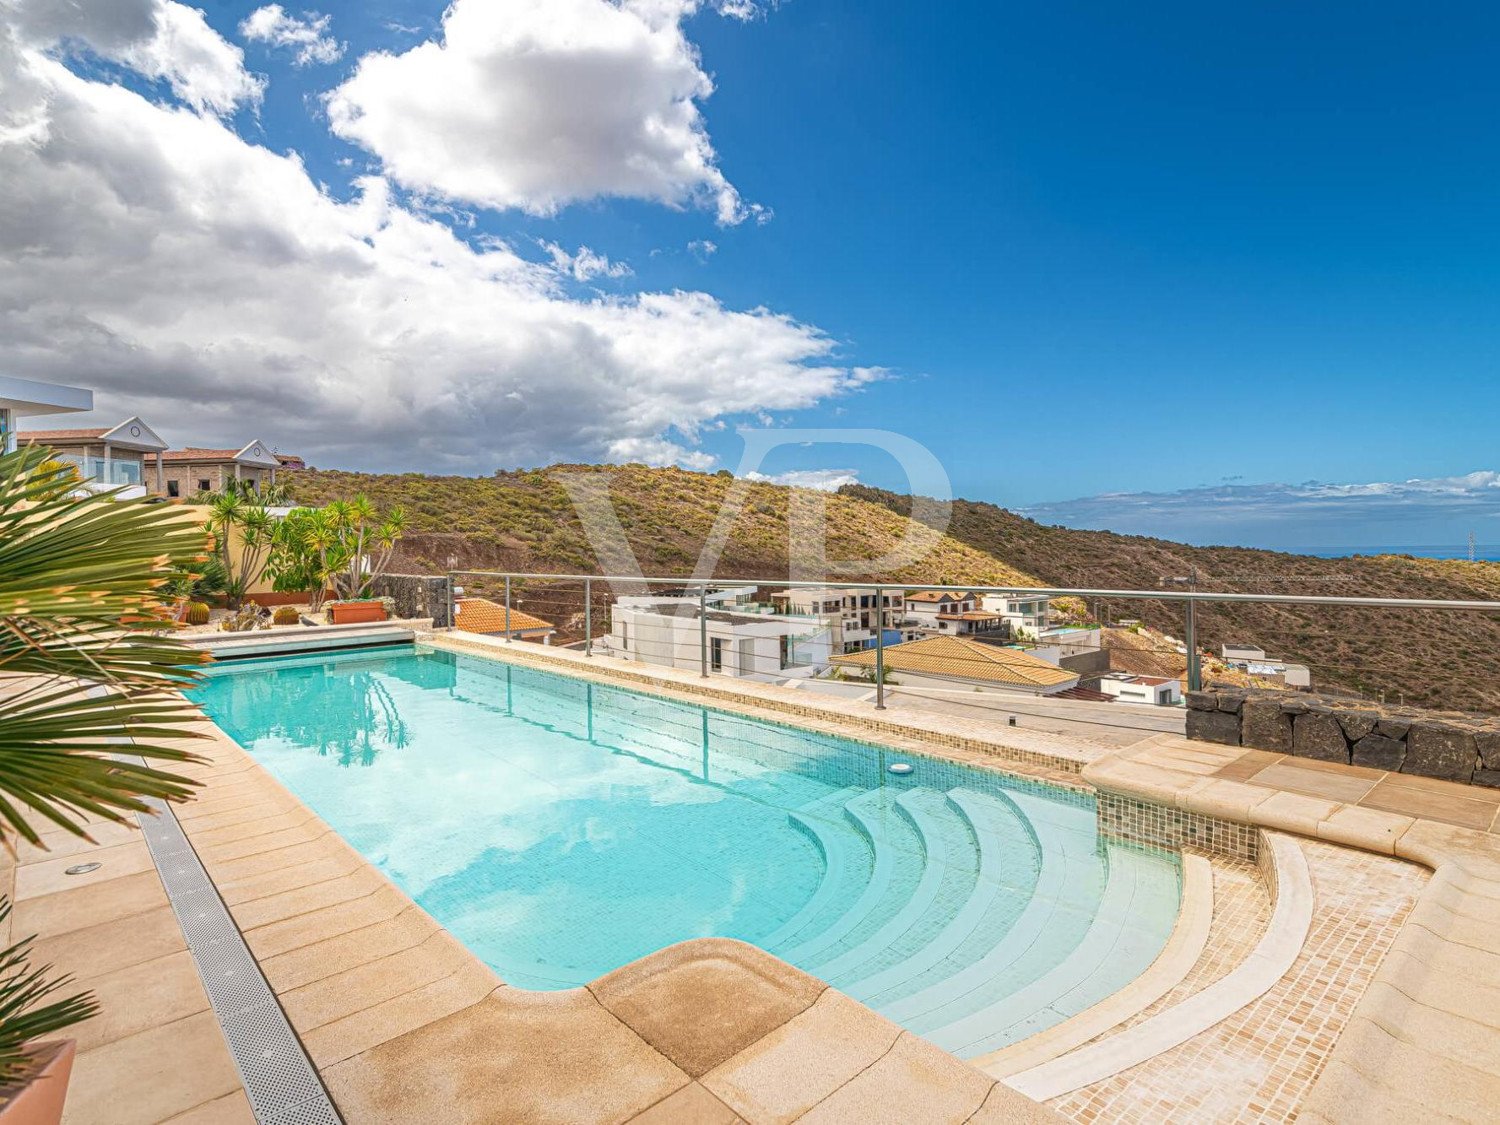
(283, 1086)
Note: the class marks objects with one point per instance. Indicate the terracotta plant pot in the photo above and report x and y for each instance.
(356, 613)
(40, 1101)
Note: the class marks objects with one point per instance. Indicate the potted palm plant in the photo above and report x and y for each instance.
(85, 581)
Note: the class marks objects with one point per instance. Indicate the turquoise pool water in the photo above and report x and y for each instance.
(561, 829)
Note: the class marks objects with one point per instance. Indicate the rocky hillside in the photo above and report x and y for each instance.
(1446, 659)
(527, 521)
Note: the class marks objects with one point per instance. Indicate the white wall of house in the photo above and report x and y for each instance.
(749, 645)
(1132, 689)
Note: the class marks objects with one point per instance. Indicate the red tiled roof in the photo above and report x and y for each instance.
(191, 454)
(480, 615)
(42, 437)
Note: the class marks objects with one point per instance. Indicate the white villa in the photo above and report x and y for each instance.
(666, 629)
(1027, 616)
(1128, 688)
(851, 615)
(954, 614)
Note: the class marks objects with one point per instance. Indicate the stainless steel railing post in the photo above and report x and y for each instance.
(879, 648)
(588, 617)
(507, 609)
(703, 631)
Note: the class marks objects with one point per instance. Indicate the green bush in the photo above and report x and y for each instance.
(197, 613)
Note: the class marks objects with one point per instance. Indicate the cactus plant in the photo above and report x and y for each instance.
(286, 615)
(197, 613)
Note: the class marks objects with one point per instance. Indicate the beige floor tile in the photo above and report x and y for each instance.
(86, 906)
(142, 996)
(544, 1058)
(1441, 805)
(914, 1082)
(1314, 783)
(268, 883)
(800, 1063)
(304, 900)
(701, 1002)
(347, 951)
(233, 1109)
(320, 925)
(49, 876)
(1248, 764)
(153, 1076)
(1295, 812)
(60, 843)
(113, 945)
(353, 990)
(369, 1027)
(1360, 827)
(691, 1105)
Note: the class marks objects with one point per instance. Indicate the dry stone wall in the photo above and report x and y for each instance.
(1454, 745)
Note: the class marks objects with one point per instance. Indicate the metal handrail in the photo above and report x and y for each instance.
(1189, 596)
(1163, 594)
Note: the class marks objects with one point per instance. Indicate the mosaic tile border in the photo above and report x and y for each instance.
(1165, 827)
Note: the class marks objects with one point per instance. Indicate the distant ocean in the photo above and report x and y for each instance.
(1488, 552)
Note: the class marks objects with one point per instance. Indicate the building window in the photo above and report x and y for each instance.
(625, 636)
(716, 653)
(786, 651)
(173, 488)
(203, 484)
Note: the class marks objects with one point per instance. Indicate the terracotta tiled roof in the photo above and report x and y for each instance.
(42, 437)
(972, 615)
(937, 596)
(191, 454)
(954, 656)
(480, 615)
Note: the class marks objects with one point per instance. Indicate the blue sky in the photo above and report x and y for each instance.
(1074, 249)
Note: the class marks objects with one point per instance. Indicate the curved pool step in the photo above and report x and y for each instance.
(934, 856)
(983, 823)
(867, 813)
(1069, 861)
(1136, 882)
(846, 858)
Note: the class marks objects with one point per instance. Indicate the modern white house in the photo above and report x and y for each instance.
(1028, 616)
(1159, 691)
(851, 615)
(948, 663)
(27, 398)
(1253, 660)
(667, 629)
(939, 613)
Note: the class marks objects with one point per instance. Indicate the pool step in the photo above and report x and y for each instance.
(987, 823)
(1068, 860)
(848, 858)
(868, 814)
(934, 853)
(1110, 951)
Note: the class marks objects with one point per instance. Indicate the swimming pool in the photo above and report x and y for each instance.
(562, 828)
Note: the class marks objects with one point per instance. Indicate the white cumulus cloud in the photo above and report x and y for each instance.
(159, 39)
(536, 104)
(585, 264)
(823, 480)
(212, 286)
(307, 36)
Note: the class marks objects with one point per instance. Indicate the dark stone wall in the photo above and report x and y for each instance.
(1455, 745)
(416, 595)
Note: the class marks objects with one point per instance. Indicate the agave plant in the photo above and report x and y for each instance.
(83, 578)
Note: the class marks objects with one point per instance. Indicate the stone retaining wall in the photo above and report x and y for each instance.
(416, 595)
(1454, 745)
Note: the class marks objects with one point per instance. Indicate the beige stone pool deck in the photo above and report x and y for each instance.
(404, 1024)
